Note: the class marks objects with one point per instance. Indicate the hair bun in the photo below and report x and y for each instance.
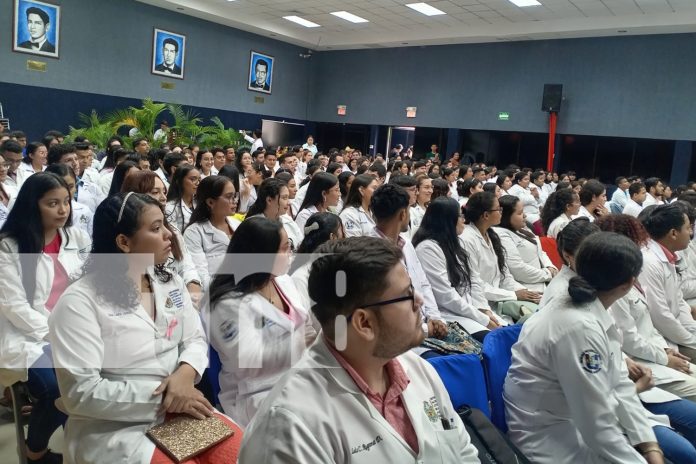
(581, 291)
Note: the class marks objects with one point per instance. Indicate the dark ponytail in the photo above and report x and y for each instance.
(581, 291)
(604, 261)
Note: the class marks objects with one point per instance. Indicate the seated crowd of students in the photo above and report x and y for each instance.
(315, 278)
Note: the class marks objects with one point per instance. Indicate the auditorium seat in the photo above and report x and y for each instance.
(549, 245)
(497, 357)
(464, 380)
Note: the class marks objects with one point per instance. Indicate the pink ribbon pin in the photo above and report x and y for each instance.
(170, 328)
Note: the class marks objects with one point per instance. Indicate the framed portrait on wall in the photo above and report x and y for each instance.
(168, 53)
(36, 28)
(260, 72)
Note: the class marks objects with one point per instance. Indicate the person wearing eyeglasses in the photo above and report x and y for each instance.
(212, 225)
(11, 151)
(257, 321)
(359, 395)
(505, 295)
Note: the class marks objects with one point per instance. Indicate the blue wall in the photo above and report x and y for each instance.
(617, 86)
(105, 49)
(620, 86)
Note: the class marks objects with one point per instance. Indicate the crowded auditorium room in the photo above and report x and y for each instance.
(347, 232)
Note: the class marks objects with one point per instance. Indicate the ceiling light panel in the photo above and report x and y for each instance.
(301, 21)
(425, 9)
(349, 17)
(523, 3)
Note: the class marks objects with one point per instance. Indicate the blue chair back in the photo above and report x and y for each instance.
(464, 380)
(497, 357)
(213, 373)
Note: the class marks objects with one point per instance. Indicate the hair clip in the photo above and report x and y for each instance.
(311, 228)
(123, 206)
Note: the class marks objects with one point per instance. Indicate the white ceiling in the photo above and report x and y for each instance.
(467, 21)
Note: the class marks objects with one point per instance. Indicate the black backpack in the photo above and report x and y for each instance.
(493, 447)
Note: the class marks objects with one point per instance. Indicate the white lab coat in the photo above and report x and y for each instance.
(687, 268)
(178, 213)
(295, 234)
(620, 198)
(105, 181)
(16, 183)
(90, 194)
(257, 344)
(357, 222)
(568, 398)
(583, 212)
(28, 169)
(557, 225)
(454, 303)
(651, 200)
(529, 203)
(184, 268)
(669, 312)
(632, 208)
(109, 359)
(299, 198)
(302, 216)
(527, 262)
(642, 342)
(317, 415)
(82, 216)
(162, 176)
(24, 326)
(497, 286)
(207, 245)
(416, 214)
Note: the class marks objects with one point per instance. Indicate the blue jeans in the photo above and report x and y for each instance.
(45, 417)
(678, 447)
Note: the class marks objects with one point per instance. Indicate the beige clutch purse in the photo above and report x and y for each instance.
(184, 437)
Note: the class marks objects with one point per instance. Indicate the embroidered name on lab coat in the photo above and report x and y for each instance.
(366, 446)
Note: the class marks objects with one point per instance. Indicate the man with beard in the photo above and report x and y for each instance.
(359, 395)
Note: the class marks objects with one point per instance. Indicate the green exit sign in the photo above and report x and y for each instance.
(504, 116)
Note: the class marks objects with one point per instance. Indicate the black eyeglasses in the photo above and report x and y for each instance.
(500, 210)
(411, 296)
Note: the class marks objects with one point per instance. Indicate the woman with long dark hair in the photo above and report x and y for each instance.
(179, 261)
(181, 197)
(273, 203)
(457, 290)
(211, 226)
(450, 175)
(323, 193)
(345, 180)
(258, 325)
(527, 262)
(467, 188)
(121, 171)
(39, 251)
(560, 208)
(320, 228)
(127, 341)
(82, 215)
(355, 216)
(571, 353)
(487, 255)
